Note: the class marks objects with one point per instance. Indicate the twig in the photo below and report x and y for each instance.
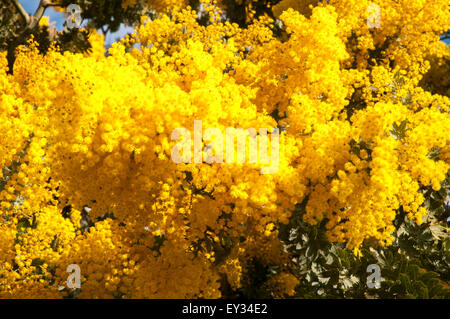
(22, 11)
(50, 4)
(30, 23)
(43, 4)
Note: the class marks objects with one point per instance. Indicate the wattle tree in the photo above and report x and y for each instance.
(358, 90)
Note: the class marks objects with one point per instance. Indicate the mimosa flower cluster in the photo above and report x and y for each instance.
(85, 147)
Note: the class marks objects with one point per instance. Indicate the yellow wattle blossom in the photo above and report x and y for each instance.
(89, 135)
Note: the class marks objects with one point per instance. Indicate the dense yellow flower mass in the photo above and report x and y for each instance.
(94, 133)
